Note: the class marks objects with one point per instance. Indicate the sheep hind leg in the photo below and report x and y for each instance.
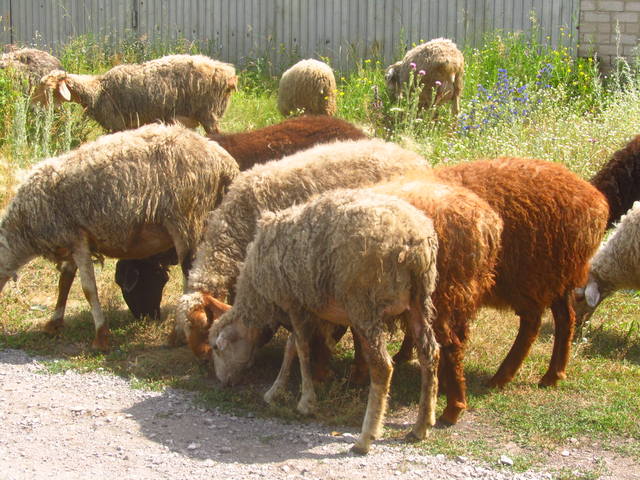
(380, 370)
(82, 258)
(359, 369)
(527, 334)
(285, 369)
(428, 356)
(68, 271)
(302, 332)
(564, 319)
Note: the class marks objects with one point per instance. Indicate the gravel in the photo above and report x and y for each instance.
(93, 425)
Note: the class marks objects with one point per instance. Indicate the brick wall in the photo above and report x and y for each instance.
(598, 20)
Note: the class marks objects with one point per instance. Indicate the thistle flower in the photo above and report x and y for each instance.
(438, 83)
(412, 65)
(422, 72)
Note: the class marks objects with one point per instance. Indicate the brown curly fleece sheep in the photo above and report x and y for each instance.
(553, 222)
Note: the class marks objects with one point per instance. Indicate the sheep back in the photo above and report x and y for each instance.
(158, 175)
(553, 222)
(279, 184)
(31, 62)
(310, 86)
(619, 180)
(469, 232)
(285, 138)
(358, 249)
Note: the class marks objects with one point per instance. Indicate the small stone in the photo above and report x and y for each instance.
(285, 468)
(504, 460)
(573, 440)
(193, 446)
(565, 453)
(208, 463)
(440, 456)
(461, 459)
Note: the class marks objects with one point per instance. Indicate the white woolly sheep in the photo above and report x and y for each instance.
(615, 266)
(437, 65)
(126, 195)
(192, 89)
(308, 86)
(273, 186)
(31, 62)
(349, 258)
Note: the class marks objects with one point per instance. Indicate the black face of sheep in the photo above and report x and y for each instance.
(392, 79)
(142, 282)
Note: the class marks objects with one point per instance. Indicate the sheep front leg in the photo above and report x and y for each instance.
(428, 356)
(67, 275)
(307, 402)
(82, 258)
(527, 334)
(285, 369)
(380, 370)
(564, 319)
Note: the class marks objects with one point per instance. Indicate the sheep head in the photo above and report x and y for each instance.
(233, 347)
(7, 272)
(588, 298)
(392, 79)
(53, 85)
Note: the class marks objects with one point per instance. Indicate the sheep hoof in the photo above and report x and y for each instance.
(360, 449)
(52, 327)
(450, 416)
(496, 382)
(551, 380)
(306, 407)
(412, 437)
(101, 342)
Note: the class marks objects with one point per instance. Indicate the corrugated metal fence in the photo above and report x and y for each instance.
(234, 30)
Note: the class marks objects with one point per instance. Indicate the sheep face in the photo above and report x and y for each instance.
(52, 85)
(6, 271)
(392, 79)
(588, 298)
(233, 349)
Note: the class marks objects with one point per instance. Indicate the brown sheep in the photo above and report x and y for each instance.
(553, 222)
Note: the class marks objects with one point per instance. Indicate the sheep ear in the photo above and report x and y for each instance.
(592, 294)
(233, 84)
(222, 342)
(389, 74)
(63, 90)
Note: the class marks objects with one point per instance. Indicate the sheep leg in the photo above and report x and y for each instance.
(428, 356)
(82, 258)
(406, 349)
(380, 370)
(302, 331)
(285, 369)
(360, 368)
(529, 328)
(67, 275)
(564, 319)
(455, 386)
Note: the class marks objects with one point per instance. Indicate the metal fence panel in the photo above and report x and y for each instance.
(282, 30)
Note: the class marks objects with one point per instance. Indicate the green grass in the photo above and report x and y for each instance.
(568, 114)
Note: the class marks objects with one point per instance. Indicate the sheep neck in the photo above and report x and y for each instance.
(85, 89)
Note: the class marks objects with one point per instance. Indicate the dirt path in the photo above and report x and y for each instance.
(79, 426)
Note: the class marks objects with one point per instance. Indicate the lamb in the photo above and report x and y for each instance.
(345, 257)
(308, 86)
(192, 89)
(273, 186)
(142, 281)
(553, 222)
(619, 180)
(616, 265)
(112, 198)
(436, 65)
(30, 62)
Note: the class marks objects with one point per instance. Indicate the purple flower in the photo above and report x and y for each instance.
(438, 83)
(412, 65)
(422, 72)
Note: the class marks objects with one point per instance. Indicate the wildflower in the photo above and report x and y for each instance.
(438, 83)
(412, 65)
(422, 72)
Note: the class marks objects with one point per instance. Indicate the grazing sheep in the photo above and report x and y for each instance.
(619, 180)
(616, 265)
(469, 232)
(436, 65)
(273, 186)
(192, 89)
(126, 195)
(350, 258)
(308, 86)
(142, 280)
(30, 62)
(553, 222)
